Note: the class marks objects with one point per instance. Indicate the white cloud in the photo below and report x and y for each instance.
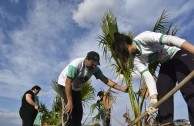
(32, 57)
(84, 45)
(135, 16)
(15, 1)
(2, 12)
(90, 12)
(10, 119)
(2, 38)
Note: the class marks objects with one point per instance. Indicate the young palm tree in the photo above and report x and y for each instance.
(103, 107)
(100, 115)
(54, 117)
(109, 27)
(87, 93)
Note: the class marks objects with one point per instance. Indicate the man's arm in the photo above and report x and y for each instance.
(113, 84)
(188, 47)
(31, 102)
(68, 90)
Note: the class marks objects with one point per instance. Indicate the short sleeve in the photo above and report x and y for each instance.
(98, 74)
(72, 71)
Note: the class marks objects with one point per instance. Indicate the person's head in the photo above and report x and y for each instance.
(100, 94)
(36, 89)
(92, 59)
(121, 46)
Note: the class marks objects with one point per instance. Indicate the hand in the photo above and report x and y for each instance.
(68, 107)
(150, 109)
(125, 89)
(36, 107)
(40, 110)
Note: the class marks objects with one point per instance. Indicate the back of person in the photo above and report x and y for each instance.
(25, 105)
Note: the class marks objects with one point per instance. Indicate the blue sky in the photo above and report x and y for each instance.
(38, 38)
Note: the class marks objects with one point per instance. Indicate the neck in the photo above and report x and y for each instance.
(132, 49)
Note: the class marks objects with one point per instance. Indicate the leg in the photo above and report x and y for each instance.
(24, 118)
(27, 118)
(33, 117)
(77, 112)
(65, 117)
(165, 82)
(183, 66)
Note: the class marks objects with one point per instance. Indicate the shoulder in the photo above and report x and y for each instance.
(147, 34)
(77, 61)
(29, 92)
(96, 69)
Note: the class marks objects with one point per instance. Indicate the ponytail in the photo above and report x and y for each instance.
(120, 46)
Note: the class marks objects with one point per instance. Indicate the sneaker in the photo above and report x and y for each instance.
(168, 124)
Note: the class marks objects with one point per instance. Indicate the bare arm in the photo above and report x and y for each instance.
(113, 84)
(68, 90)
(31, 102)
(188, 47)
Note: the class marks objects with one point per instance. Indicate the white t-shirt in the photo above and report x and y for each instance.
(154, 47)
(79, 73)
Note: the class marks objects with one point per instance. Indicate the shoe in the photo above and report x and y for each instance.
(168, 124)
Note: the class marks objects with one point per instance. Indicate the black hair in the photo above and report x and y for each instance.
(89, 57)
(100, 93)
(92, 54)
(120, 46)
(36, 87)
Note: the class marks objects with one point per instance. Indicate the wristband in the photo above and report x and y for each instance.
(114, 85)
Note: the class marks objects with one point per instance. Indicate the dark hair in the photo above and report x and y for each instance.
(120, 47)
(100, 93)
(94, 56)
(36, 87)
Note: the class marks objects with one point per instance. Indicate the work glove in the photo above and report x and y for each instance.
(150, 109)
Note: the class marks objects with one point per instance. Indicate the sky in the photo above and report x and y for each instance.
(38, 38)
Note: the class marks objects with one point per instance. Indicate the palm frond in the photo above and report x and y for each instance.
(55, 86)
(93, 107)
(160, 25)
(87, 93)
(109, 27)
(163, 26)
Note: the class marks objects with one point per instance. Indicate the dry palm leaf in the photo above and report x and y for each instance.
(144, 90)
(127, 118)
(107, 100)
